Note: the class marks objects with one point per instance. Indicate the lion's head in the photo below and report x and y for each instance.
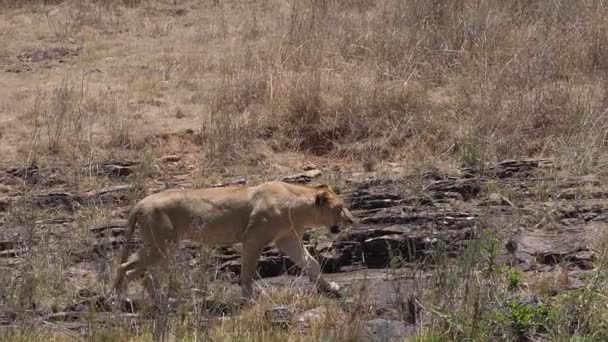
(332, 210)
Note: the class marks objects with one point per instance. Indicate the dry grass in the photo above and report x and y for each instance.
(356, 80)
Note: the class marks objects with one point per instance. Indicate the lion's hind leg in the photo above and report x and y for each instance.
(155, 250)
(137, 265)
(123, 269)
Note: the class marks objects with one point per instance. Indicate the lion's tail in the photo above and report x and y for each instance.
(131, 221)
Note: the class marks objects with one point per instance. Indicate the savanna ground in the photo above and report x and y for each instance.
(407, 107)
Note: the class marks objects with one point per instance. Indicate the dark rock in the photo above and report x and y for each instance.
(117, 170)
(27, 172)
(55, 200)
(12, 249)
(112, 168)
(76, 308)
(384, 330)
(280, 315)
(572, 222)
(584, 259)
(79, 327)
(83, 254)
(234, 182)
(7, 317)
(64, 317)
(268, 266)
(514, 168)
(6, 245)
(378, 252)
(524, 266)
(215, 307)
(86, 293)
(302, 178)
(363, 199)
(34, 175)
(118, 195)
(113, 243)
(468, 188)
(332, 260)
(116, 228)
(446, 195)
(589, 216)
(92, 301)
(511, 245)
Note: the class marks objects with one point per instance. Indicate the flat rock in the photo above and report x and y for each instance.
(110, 195)
(303, 178)
(10, 253)
(314, 317)
(268, 266)
(385, 330)
(466, 187)
(112, 168)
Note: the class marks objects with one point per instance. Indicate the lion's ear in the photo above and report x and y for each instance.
(323, 198)
(322, 187)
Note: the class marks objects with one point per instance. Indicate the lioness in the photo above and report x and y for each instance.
(254, 216)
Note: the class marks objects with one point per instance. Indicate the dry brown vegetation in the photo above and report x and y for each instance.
(261, 87)
(390, 80)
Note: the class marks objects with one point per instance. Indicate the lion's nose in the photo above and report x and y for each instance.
(334, 229)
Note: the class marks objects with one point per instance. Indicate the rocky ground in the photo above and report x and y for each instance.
(546, 225)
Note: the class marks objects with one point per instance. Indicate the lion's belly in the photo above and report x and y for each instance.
(217, 231)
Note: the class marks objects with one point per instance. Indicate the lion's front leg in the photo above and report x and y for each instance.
(295, 250)
(252, 250)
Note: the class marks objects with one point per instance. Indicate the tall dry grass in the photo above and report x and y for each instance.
(473, 81)
(464, 81)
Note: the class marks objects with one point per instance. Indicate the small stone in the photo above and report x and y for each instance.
(279, 315)
(524, 266)
(181, 12)
(500, 199)
(317, 316)
(172, 158)
(314, 173)
(240, 181)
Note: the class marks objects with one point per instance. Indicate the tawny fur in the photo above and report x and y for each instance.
(254, 216)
